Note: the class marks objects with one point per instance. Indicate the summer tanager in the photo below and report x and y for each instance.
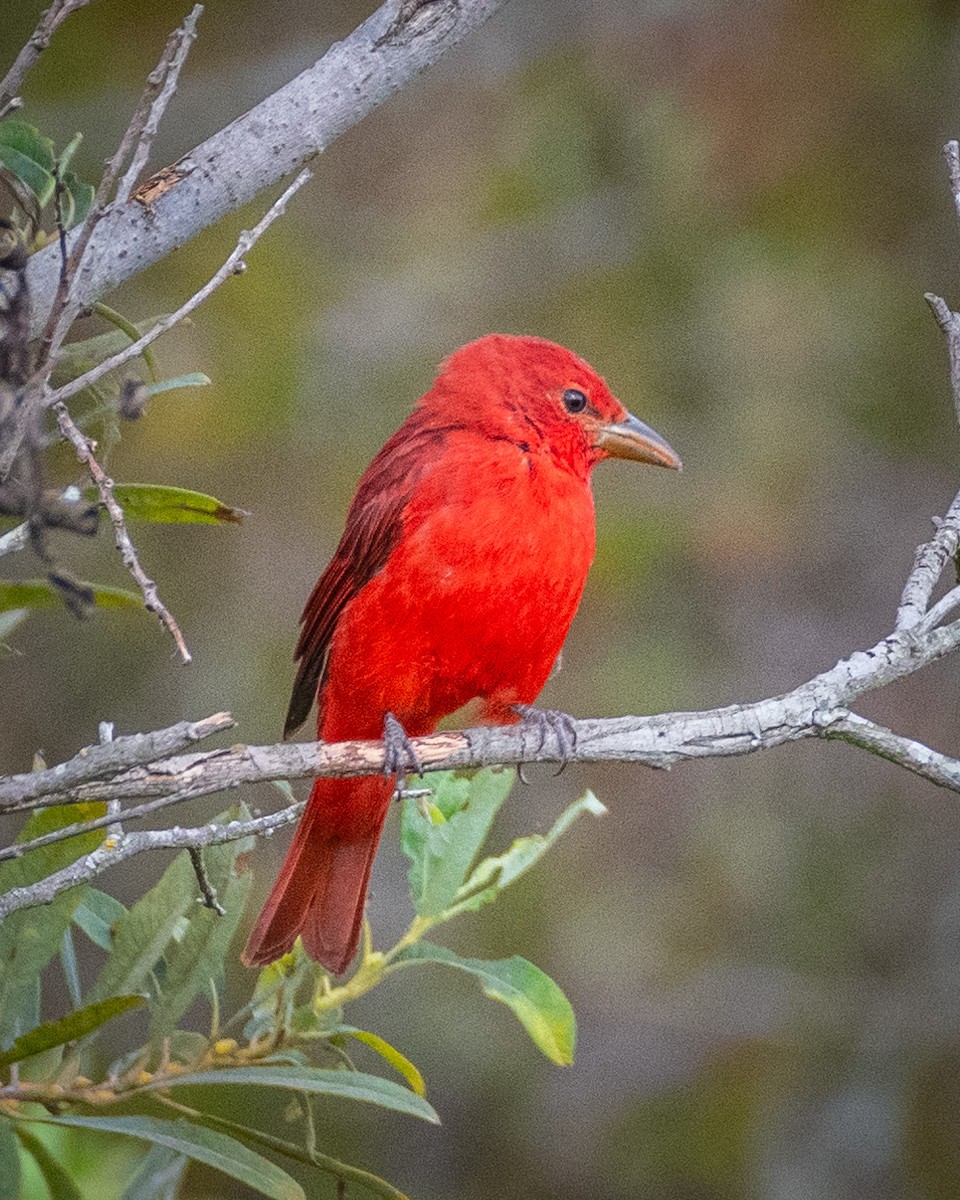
(465, 553)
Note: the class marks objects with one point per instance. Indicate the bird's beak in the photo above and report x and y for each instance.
(632, 439)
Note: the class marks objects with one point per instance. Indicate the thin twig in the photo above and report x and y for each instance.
(207, 890)
(949, 322)
(65, 304)
(928, 565)
(38, 41)
(951, 152)
(128, 552)
(234, 265)
(182, 39)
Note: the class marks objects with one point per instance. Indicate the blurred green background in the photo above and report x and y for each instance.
(732, 210)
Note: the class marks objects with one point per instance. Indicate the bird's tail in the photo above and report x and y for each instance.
(321, 890)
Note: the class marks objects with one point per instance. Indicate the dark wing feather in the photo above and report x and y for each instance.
(374, 526)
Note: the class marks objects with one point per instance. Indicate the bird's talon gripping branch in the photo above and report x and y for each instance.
(549, 720)
(399, 756)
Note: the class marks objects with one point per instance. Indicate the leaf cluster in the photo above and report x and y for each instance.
(168, 951)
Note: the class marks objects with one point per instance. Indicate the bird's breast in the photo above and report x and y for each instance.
(477, 597)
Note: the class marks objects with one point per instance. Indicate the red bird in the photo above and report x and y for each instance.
(459, 572)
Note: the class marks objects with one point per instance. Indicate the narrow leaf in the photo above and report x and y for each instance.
(194, 379)
(39, 593)
(141, 935)
(159, 1176)
(30, 937)
(492, 875)
(392, 1055)
(204, 1145)
(441, 854)
(71, 968)
(59, 1184)
(542, 1008)
(96, 914)
(70, 1028)
(198, 956)
(171, 505)
(318, 1081)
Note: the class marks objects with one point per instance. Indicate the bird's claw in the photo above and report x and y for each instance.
(399, 756)
(549, 720)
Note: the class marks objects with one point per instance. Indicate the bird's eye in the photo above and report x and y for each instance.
(574, 401)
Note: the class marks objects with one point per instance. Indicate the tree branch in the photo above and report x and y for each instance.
(128, 551)
(38, 41)
(262, 147)
(234, 265)
(137, 769)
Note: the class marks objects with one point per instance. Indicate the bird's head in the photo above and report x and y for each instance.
(545, 398)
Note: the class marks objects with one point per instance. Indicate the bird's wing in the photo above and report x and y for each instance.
(374, 526)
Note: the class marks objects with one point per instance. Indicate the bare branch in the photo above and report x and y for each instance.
(949, 322)
(815, 709)
(178, 47)
(234, 265)
(951, 152)
(928, 565)
(104, 760)
(261, 147)
(38, 41)
(110, 854)
(128, 552)
(207, 890)
(905, 752)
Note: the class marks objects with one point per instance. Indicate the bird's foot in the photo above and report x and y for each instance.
(547, 720)
(399, 756)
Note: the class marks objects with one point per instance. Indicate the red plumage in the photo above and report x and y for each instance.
(464, 557)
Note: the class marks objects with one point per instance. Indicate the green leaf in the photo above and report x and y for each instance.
(96, 914)
(441, 854)
(9, 1159)
(141, 935)
(40, 593)
(71, 968)
(392, 1055)
(70, 1028)
(159, 1176)
(170, 505)
(29, 156)
(194, 379)
(81, 195)
(204, 1145)
(76, 358)
(492, 875)
(542, 1008)
(318, 1081)
(59, 1184)
(30, 937)
(67, 153)
(198, 956)
(18, 135)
